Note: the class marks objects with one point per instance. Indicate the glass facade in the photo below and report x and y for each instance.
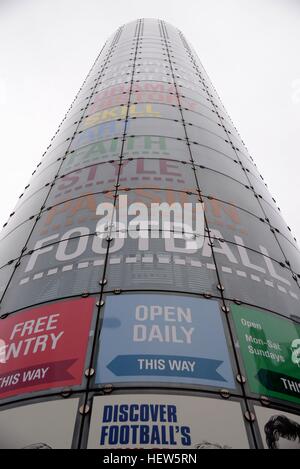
(166, 341)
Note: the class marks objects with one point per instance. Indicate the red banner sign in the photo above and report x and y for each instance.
(44, 347)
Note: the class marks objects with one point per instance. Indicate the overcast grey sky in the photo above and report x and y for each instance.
(250, 49)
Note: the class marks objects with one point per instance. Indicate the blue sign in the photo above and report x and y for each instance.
(165, 338)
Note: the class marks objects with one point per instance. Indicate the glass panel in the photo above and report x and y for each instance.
(151, 44)
(164, 127)
(221, 187)
(98, 133)
(291, 252)
(46, 171)
(115, 72)
(120, 60)
(78, 106)
(88, 180)
(152, 51)
(260, 188)
(202, 121)
(184, 63)
(243, 151)
(39, 181)
(157, 54)
(217, 161)
(5, 274)
(143, 91)
(249, 165)
(204, 137)
(203, 102)
(110, 88)
(182, 59)
(232, 131)
(152, 86)
(43, 425)
(30, 208)
(240, 227)
(12, 244)
(142, 146)
(201, 108)
(151, 146)
(93, 77)
(101, 102)
(153, 68)
(129, 31)
(150, 27)
(105, 82)
(237, 142)
(256, 279)
(195, 95)
(159, 264)
(152, 76)
(67, 268)
(73, 117)
(149, 196)
(277, 221)
(138, 172)
(86, 91)
(84, 95)
(118, 67)
(132, 111)
(94, 153)
(64, 134)
(157, 174)
(160, 60)
(124, 45)
(124, 56)
(70, 219)
(155, 110)
(54, 153)
(61, 143)
(104, 87)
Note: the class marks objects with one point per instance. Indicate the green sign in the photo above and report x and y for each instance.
(270, 348)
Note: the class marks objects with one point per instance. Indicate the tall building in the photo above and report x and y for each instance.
(118, 330)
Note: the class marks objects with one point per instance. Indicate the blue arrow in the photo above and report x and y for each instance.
(135, 365)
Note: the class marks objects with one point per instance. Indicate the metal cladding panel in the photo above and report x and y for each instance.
(148, 335)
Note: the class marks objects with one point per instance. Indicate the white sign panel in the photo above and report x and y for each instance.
(278, 430)
(46, 425)
(166, 421)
